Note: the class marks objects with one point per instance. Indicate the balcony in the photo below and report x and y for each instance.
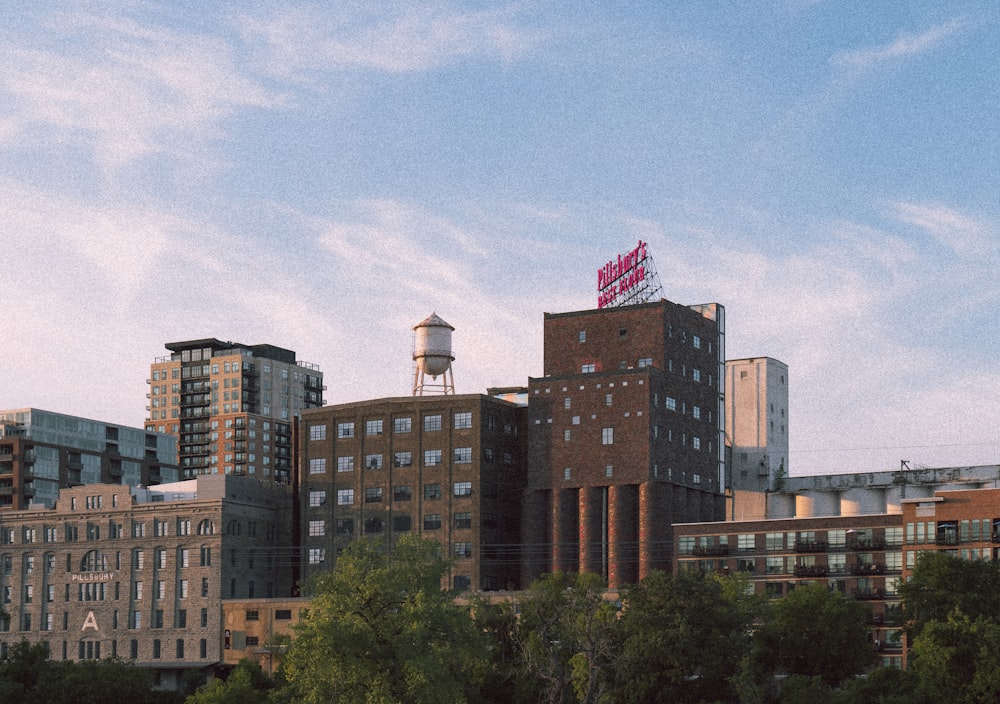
(869, 594)
(871, 569)
(867, 545)
(711, 550)
(811, 546)
(810, 571)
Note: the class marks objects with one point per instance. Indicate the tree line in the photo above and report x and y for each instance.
(379, 630)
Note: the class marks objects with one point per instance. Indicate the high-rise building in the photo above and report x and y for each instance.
(626, 436)
(756, 432)
(447, 467)
(42, 452)
(231, 405)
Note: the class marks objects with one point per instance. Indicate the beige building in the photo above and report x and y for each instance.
(756, 433)
(231, 405)
(140, 573)
(260, 630)
(42, 452)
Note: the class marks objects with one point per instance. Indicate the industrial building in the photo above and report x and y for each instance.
(140, 573)
(860, 556)
(447, 467)
(42, 452)
(625, 437)
(231, 405)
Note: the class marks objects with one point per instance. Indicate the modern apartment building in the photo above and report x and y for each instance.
(756, 432)
(447, 467)
(859, 556)
(42, 452)
(626, 437)
(140, 573)
(231, 405)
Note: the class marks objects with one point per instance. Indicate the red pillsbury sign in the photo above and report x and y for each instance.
(626, 279)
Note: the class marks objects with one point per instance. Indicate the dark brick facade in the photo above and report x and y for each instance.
(624, 438)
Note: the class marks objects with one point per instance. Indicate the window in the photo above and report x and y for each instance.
(463, 520)
(373, 495)
(317, 497)
(345, 430)
(373, 525)
(696, 411)
(401, 522)
(462, 549)
(608, 398)
(463, 488)
(607, 436)
(696, 442)
(567, 435)
(432, 423)
(463, 420)
(567, 402)
(317, 431)
(402, 493)
(316, 556)
(588, 368)
(695, 375)
(582, 336)
(696, 342)
(670, 403)
(345, 526)
(432, 521)
(283, 615)
(345, 497)
(432, 491)
(567, 473)
(432, 457)
(345, 464)
(373, 427)
(645, 362)
(206, 556)
(317, 465)
(402, 425)
(745, 541)
(463, 455)
(182, 591)
(373, 461)
(402, 459)
(317, 529)
(183, 557)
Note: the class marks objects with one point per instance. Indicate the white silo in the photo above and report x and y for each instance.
(432, 357)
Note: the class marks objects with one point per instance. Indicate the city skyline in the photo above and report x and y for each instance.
(323, 181)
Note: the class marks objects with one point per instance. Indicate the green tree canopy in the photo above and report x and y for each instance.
(380, 630)
(941, 583)
(683, 638)
(815, 632)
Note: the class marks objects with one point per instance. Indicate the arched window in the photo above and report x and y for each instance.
(206, 527)
(94, 561)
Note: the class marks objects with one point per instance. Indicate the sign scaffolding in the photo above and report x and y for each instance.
(628, 280)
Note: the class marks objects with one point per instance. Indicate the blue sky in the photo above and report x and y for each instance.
(323, 176)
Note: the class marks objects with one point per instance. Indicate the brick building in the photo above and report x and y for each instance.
(42, 452)
(140, 573)
(231, 405)
(259, 630)
(626, 437)
(448, 467)
(859, 556)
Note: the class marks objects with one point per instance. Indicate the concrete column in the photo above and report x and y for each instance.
(565, 522)
(623, 535)
(593, 538)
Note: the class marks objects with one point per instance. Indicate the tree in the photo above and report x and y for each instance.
(941, 583)
(816, 632)
(246, 684)
(958, 659)
(381, 630)
(565, 637)
(682, 638)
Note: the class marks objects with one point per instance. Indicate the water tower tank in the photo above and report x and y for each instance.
(432, 354)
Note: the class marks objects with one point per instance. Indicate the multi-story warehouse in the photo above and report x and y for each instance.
(446, 467)
(961, 523)
(626, 436)
(42, 452)
(756, 432)
(140, 573)
(231, 405)
(859, 556)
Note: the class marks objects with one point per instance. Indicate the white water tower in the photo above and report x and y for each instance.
(432, 357)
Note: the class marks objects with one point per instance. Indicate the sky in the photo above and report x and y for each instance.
(323, 176)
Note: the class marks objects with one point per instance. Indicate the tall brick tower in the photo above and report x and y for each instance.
(625, 437)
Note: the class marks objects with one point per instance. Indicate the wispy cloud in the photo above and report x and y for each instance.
(127, 91)
(390, 37)
(964, 235)
(905, 45)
